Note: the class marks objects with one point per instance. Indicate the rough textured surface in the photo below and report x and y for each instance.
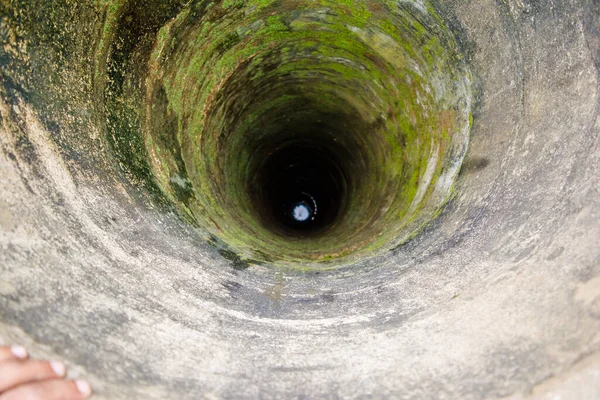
(380, 90)
(499, 297)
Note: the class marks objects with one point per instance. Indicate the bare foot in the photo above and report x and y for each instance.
(22, 378)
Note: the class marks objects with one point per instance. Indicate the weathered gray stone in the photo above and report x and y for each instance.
(499, 297)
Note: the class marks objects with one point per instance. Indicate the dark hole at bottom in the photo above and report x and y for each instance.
(302, 188)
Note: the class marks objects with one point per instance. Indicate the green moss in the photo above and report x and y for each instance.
(231, 70)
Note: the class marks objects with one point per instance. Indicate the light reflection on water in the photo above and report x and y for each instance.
(304, 209)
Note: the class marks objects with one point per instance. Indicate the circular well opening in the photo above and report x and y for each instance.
(308, 135)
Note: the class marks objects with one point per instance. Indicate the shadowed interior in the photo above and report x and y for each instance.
(364, 113)
(150, 151)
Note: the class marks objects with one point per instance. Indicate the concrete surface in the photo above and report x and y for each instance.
(499, 297)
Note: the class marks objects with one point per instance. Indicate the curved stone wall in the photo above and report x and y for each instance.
(153, 156)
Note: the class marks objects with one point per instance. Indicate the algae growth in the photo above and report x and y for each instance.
(200, 99)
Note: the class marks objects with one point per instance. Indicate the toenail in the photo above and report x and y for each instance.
(58, 368)
(83, 387)
(19, 352)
